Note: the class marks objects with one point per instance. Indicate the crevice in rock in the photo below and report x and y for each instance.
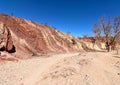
(13, 50)
(2, 49)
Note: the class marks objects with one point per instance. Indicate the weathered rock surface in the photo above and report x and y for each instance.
(27, 38)
(31, 38)
(6, 43)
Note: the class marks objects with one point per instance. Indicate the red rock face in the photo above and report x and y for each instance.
(33, 38)
(6, 43)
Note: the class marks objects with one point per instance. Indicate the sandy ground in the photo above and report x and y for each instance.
(88, 68)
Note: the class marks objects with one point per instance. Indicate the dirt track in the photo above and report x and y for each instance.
(92, 68)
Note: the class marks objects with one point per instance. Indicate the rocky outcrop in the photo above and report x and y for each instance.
(6, 43)
(30, 38)
(26, 38)
(90, 44)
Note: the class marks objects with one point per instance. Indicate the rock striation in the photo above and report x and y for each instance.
(26, 38)
(6, 43)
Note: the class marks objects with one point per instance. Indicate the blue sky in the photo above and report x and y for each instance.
(74, 16)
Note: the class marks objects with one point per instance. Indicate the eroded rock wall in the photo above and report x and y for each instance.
(33, 38)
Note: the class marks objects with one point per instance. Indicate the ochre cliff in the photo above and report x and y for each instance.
(29, 38)
(24, 38)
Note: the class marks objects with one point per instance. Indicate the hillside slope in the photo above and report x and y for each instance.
(25, 38)
(32, 38)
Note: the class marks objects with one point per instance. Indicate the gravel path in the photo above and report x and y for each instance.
(14, 73)
(92, 68)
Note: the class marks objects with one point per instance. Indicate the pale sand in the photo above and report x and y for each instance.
(92, 68)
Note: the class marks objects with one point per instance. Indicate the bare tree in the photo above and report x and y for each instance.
(97, 31)
(116, 30)
(106, 26)
(109, 30)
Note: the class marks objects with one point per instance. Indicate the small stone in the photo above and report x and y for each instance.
(118, 73)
